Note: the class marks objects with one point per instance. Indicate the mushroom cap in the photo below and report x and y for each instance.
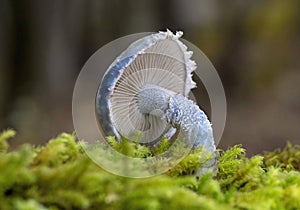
(159, 60)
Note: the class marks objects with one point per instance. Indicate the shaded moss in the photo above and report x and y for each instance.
(287, 158)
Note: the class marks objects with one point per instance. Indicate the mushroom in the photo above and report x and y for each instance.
(146, 89)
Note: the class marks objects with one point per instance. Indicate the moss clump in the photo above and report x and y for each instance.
(61, 176)
(287, 158)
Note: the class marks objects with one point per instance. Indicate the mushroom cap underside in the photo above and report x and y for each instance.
(159, 60)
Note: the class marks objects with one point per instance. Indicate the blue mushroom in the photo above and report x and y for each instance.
(146, 89)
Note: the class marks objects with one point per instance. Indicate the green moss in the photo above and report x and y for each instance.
(286, 158)
(3, 139)
(61, 176)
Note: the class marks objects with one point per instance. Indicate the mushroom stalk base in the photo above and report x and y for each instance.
(184, 115)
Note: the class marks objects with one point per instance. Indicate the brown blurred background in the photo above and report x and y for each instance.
(254, 45)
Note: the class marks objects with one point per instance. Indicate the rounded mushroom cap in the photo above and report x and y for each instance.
(159, 61)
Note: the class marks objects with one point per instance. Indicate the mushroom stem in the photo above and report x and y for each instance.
(195, 127)
(183, 114)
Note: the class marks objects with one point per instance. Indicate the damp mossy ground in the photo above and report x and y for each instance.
(60, 175)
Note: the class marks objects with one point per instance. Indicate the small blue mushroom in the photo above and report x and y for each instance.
(146, 89)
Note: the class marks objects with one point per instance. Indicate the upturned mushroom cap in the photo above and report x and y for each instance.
(138, 84)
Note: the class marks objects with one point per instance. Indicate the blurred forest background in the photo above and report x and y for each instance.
(254, 45)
